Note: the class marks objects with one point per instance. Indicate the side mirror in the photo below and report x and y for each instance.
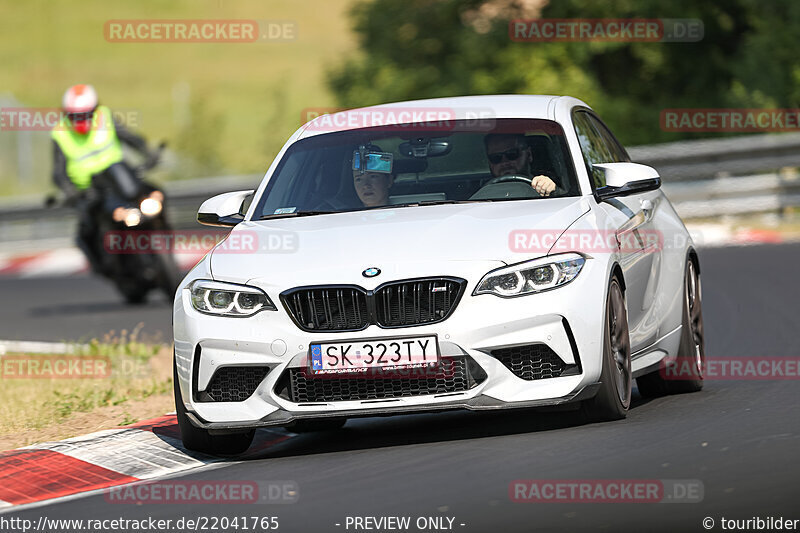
(623, 179)
(224, 209)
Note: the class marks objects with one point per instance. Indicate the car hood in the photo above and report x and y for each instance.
(402, 242)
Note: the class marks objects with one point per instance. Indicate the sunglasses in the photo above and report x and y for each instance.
(512, 155)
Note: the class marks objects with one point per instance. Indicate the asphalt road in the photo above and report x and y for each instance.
(76, 309)
(740, 439)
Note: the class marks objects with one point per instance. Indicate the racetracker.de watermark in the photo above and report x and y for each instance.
(328, 119)
(730, 120)
(199, 31)
(606, 30)
(49, 118)
(194, 242)
(436, 119)
(590, 241)
(54, 367)
(606, 491)
(733, 369)
(205, 492)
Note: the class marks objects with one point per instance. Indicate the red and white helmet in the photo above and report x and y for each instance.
(79, 103)
(79, 99)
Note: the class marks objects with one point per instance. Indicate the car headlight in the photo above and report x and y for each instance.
(532, 276)
(228, 299)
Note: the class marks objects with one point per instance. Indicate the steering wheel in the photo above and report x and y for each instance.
(509, 178)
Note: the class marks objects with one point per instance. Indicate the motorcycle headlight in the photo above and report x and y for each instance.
(132, 217)
(532, 276)
(228, 299)
(150, 207)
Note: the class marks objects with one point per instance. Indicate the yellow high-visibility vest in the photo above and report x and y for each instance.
(91, 153)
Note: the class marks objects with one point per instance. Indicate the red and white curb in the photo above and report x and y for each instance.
(146, 450)
(49, 348)
(43, 263)
(720, 235)
(64, 262)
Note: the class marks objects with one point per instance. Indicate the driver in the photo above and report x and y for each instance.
(510, 155)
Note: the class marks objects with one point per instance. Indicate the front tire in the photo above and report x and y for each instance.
(199, 439)
(691, 358)
(614, 398)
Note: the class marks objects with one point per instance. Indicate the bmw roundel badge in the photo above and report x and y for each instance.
(371, 272)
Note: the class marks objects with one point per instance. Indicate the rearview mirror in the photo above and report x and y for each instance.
(425, 147)
(224, 209)
(623, 179)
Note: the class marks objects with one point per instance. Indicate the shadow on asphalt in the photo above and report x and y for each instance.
(401, 430)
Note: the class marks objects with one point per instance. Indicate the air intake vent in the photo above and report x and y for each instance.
(454, 375)
(233, 384)
(532, 361)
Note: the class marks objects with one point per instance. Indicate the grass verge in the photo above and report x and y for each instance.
(127, 381)
(223, 107)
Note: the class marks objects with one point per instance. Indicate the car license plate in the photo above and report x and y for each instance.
(361, 356)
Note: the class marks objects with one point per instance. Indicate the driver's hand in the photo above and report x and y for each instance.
(543, 185)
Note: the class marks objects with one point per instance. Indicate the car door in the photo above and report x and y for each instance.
(631, 219)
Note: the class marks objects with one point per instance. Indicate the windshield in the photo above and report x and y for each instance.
(397, 166)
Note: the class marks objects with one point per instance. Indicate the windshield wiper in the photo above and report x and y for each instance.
(439, 202)
(295, 214)
(274, 216)
(424, 202)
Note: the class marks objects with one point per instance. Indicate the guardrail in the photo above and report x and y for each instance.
(710, 158)
(696, 177)
(734, 195)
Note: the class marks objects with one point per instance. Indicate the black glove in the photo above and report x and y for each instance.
(72, 198)
(152, 160)
(91, 195)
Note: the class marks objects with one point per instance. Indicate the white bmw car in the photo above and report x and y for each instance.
(487, 252)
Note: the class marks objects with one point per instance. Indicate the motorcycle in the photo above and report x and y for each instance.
(126, 215)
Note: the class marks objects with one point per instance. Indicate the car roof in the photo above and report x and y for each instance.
(454, 108)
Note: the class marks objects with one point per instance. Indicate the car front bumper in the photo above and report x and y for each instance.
(568, 320)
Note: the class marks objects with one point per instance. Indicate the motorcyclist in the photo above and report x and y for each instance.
(87, 145)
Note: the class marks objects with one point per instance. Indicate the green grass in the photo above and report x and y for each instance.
(128, 420)
(138, 370)
(125, 345)
(244, 100)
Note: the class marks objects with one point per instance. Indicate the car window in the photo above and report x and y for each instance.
(593, 147)
(616, 150)
(427, 165)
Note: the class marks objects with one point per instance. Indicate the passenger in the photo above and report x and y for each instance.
(372, 188)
